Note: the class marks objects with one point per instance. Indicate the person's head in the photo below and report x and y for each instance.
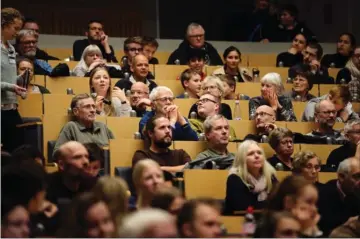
(32, 24)
(250, 159)
(349, 175)
(352, 131)
(26, 43)
(148, 223)
(90, 54)
(88, 216)
(195, 35)
(169, 199)
(299, 42)
(200, 218)
(28, 152)
(213, 85)
(271, 82)
(325, 114)
(191, 81)
(15, 220)
(96, 159)
(26, 184)
(281, 140)
(264, 115)
(346, 44)
(313, 51)
(11, 23)
(139, 90)
(232, 57)
(94, 30)
(133, 46)
(196, 59)
(355, 58)
(100, 82)
(23, 64)
(303, 81)
(140, 66)
(229, 85)
(158, 130)
(150, 45)
(83, 108)
(161, 97)
(278, 225)
(217, 130)
(262, 4)
(208, 105)
(114, 192)
(307, 164)
(340, 96)
(73, 160)
(288, 15)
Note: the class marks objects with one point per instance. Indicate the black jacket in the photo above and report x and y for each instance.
(337, 59)
(289, 59)
(277, 33)
(343, 74)
(80, 45)
(40, 54)
(181, 53)
(339, 154)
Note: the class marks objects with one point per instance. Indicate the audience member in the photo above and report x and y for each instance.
(24, 64)
(140, 73)
(28, 152)
(196, 61)
(109, 102)
(191, 82)
(232, 57)
(11, 136)
(351, 148)
(264, 123)
(89, 217)
(351, 72)
(96, 159)
(298, 196)
(338, 201)
(294, 55)
(302, 84)
(95, 35)
(200, 218)
(148, 178)
(229, 85)
(195, 38)
(150, 45)
(281, 141)
(350, 229)
(32, 24)
(148, 223)
(250, 180)
(114, 192)
(83, 127)
(139, 98)
(271, 94)
(162, 102)
(340, 96)
(132, 47)
(15, 220)
(214, 86)
(158, 131)
(169, 199)
(344, 49)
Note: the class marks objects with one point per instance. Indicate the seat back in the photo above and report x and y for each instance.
(123, 127)
(58, 85)
(57, 104)
(321, 150)
(32, 106)
(169, 72)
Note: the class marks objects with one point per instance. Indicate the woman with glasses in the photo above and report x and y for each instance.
(281, 140)
(214, 86)
(294, 55)
(272, 95)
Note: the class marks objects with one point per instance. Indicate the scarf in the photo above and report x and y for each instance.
(355, 72)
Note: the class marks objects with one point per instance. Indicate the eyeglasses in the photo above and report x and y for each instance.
(262, 114)
(211, 87)
(133, 92)
(205, 100)
(197, 36)
(310, 166)
(29, 42)
(135, 49)
(165, 99)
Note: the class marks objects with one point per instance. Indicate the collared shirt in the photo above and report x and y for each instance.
(212, 153)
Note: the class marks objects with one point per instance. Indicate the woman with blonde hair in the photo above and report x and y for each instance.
(148, 178)
(108, 102)
(115, 193)
(250, 180)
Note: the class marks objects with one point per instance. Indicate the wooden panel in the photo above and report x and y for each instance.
(32, 106)
(123, 127)
(169, 72)
(249, 89)
(356, 107)
(184, 105)
(71, 64)
(262, 59)
(174, 85)
(162, 56)
(322, 151)
(301, 127)
(233, 224)
(193, 148)
(283, 71)
(60, 53)
(325, 88)
(210, 69)
(57, 104)
(244, 107)
(299, 108)
(325, 177)
(38, 80)
(232, 147)
(58, 85)
(333, 72)
(243, 127)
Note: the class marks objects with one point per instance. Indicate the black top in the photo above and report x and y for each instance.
(343, 74)
(339, 154)
(154, 61)
(80, 45)
(320, 77)
(339, 60)
(113, 72)
(225, 110)
(275, 160)
(139, 112)
(212, 57)
(289, 59)
(126, 84)
(277, 33)
(40, 54)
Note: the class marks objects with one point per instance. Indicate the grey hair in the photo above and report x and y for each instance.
(350, 124)
(82, 64)
(274, 78)
(155, 92)
(344, 166)
(217, 81)
(137, 223)
(210, 120)
(25, 32)
(193, 25)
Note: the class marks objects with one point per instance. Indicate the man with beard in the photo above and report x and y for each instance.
(95, 35)
(159, 133)
(139, 98)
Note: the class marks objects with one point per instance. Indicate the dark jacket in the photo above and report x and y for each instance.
(80, 45)
(340, 154)
(277, 33)
(40, 54)
(343, 74)
(289, 59)
(338, 60)
(212, 57)
(320, 77)
(274, 160)
(154, 61)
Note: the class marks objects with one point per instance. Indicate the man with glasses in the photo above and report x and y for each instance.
(265, 118)
(162, 103)
(132, 47)
(350, 149)
(139, 98)
(95, 35)
(195, 38)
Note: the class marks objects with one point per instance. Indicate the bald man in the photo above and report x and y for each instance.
(139, 73)
(139, 98)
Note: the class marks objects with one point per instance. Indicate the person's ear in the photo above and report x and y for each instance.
(61, 164)
(87, 34)
(217, 107)
(186, 83)
(232, 88)
(75, 111)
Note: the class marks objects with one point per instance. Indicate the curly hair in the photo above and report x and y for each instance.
(8, 15)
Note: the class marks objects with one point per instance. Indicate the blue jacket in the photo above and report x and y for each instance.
(178, 133)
